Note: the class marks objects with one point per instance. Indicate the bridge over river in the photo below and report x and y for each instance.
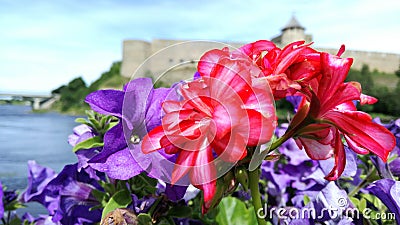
(37, 101)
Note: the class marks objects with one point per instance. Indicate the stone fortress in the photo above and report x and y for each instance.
(179, 59)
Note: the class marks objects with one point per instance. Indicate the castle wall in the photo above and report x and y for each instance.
(383, 62)
(134, 53)
(182, 58)
(166, 56)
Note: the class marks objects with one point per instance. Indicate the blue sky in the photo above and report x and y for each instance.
(44, 44)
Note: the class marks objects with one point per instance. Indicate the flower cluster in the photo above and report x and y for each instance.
(145, 153)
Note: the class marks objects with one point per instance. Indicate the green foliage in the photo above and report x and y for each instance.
(234, 211)
(397, 72)
(144, 219)
(93, 142)
(379, 85)
(72, 95)
(109, 79)
(121, 199)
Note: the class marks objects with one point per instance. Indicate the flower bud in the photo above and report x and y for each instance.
(242, 176)
(120, 217)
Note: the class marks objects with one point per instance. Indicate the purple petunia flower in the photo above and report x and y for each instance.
(38, 178)
(72, 189)
(40, 220)
(388, 191)
(138, 107)
(393, 168)
(295, 101)
(81, 133)
(67, 196)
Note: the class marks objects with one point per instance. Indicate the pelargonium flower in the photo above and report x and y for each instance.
(288, 70)
(327, 113)
(138, 107)
(222, 112)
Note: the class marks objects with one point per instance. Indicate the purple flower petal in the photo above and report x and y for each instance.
(81, 133)
(295, 101)
(114, 141)
(175, 192)
(138, 94)
(154, 111)
(388, 191)
(120, 165)
(331, 197)
(38, 178)
(72, 191)
(107, 102)
(84, 155)
(350, 169)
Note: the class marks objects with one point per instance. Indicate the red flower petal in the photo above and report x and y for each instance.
(359, 127)
(315, 149)
(231, 148)
(340, 159)
(151, 142)
(334, 72)
(185, 162)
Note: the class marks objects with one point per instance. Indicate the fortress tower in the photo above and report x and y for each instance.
(292, 31)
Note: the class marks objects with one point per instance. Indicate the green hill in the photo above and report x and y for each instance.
(72, 100)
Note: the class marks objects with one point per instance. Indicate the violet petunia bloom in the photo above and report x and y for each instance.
(81, 133)
(40, 220)
(388, 170)
(38, 178)
(66, 196)
(388, 191)
(73, 189)
(138, 107)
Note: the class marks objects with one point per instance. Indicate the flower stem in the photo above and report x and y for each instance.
(363, 183)
(254, 177)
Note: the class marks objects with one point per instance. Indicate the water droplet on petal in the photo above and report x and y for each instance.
(135, 139)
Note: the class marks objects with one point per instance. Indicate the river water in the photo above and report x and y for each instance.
(32, 136)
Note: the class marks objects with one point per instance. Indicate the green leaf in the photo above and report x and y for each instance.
(101, 197)
(306, 199)
(180, 211)
(81, 120)
(144, 219)
(121, 199)
(234, 211)
(14, 205)
(362, 205)
(355, 201)
(93, 142)
(15, 221)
